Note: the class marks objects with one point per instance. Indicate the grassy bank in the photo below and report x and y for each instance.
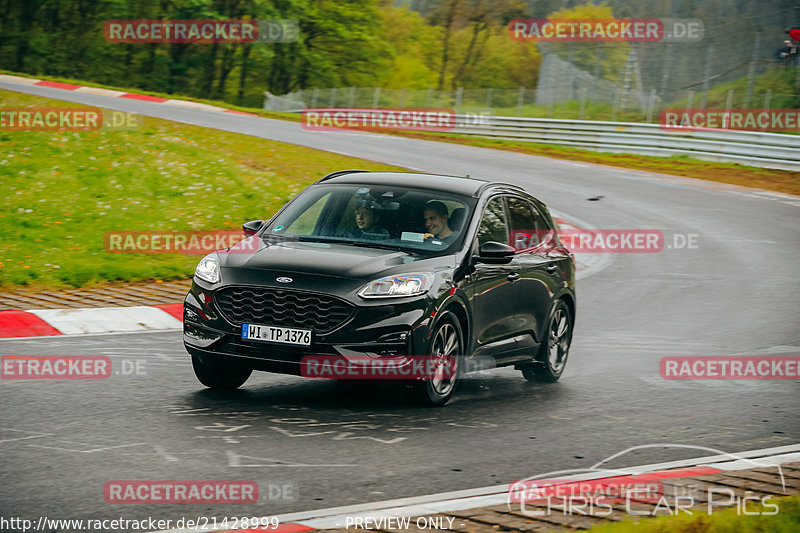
(786, 520)
(64, 190)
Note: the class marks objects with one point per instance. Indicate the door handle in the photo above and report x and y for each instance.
(551, 267)
(514, 276)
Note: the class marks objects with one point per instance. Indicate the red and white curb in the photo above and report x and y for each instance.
(119, 94)
(336, 517)
(46, 322)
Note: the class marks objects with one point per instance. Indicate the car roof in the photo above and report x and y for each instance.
(463, 185)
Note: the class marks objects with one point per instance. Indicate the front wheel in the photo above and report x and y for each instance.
(220, 375)
(554, 350)
(445, 350)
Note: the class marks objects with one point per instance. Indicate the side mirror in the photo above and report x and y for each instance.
(252, 227)
(495, 253)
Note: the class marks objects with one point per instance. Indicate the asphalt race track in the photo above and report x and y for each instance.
(314, 444)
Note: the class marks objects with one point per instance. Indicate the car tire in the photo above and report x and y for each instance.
(447, 341)
(220, 375)
(552, 356)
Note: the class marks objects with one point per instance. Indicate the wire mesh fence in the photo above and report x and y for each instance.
(737, 64)
(588, 101)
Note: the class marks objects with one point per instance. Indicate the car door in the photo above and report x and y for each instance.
(541, 268)
(492, 289)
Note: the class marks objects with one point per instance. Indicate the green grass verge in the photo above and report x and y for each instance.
(787, 520)
(64, 190)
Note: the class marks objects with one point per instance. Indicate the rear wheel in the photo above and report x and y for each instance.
(552, 357)
(220, 375)
(445, 350)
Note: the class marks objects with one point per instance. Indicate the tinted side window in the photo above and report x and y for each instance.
(528, 226)
(493, 223)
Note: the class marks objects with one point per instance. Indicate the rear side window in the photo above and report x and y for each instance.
(528, 226)
(493, 223)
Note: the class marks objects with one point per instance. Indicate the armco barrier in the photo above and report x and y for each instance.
(759, 149)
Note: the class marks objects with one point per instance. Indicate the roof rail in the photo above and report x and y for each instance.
(490, 185)
(338, 173)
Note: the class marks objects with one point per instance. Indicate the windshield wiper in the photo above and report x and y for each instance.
(311, 238)
(370, 244)
(334, 240)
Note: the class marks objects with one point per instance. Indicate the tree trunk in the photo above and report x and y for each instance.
(448, 28)
(210, 71)
(226, 65)
(476, 29)
(243, 73)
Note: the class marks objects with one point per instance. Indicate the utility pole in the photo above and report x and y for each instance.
(752, 70)
(707, 74)
(665, 72)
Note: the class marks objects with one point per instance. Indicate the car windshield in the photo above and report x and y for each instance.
(421, 221)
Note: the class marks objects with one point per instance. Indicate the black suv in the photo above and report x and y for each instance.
(388, 266)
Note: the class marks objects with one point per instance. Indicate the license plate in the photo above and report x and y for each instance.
(259, 332)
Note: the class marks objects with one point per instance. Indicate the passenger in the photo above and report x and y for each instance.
(367, 223)
(435, 218)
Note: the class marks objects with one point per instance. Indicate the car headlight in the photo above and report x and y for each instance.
(208, 268)
(399, 285)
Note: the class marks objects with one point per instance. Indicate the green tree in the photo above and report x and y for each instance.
(585, 55)
(414, 47)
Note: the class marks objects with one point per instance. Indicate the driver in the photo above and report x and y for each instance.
(435, 217)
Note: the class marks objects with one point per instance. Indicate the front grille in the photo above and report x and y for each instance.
(281, 307)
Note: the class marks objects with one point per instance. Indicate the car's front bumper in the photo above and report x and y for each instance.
(378, 328)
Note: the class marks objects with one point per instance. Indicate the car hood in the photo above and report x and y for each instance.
(329, 259)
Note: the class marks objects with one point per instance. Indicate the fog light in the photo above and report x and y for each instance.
(190, 315)
(395, 343)
(396, 337)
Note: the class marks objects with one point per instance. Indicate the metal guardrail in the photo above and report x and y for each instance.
(767, 150)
